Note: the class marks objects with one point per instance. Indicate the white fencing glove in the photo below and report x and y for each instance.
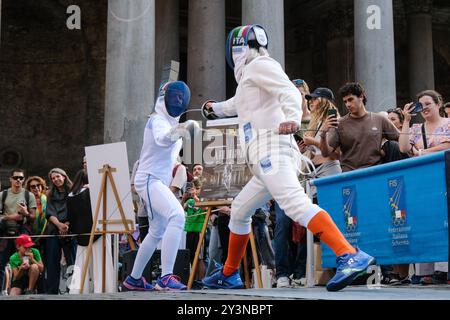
(184, 130)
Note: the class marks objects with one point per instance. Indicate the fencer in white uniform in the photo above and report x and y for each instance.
(161, 146)
(268, 107)
(264, 99)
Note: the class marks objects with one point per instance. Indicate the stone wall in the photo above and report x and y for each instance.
(52, 79)
(52, 83)
(315, 27)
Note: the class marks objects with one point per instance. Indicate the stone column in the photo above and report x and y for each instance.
(420, 45)
(167, 38)
(206, 51)
(340, 50)
(206, 75)
(269, 14)
(130, 67)
(375, 52)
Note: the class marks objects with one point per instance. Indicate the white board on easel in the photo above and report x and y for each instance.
(114, 155)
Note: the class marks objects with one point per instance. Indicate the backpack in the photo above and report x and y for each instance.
(5, 194)
(189, 175)
(3, 228)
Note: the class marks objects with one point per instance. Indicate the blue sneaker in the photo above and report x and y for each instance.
(217, 266)
(218, 281)
(137, 285)
(349, 267)
(169, 282)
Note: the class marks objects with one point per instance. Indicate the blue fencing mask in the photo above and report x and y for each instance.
(176, 98)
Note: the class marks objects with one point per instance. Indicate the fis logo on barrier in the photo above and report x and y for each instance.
(349, 208)
(396, 201)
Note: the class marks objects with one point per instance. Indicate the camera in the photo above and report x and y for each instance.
(332, 112)
(418, 107)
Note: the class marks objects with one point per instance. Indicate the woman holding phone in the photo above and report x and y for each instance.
(322, 107)
(419, 140)
(433, 135)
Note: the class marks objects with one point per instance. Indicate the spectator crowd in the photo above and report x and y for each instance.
(37, 221)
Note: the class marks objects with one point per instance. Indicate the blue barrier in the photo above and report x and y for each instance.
(397, 212)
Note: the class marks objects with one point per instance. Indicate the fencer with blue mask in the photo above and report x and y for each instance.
(269, 111)
(162, 143)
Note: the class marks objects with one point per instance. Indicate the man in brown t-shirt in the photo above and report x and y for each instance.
(358, 134)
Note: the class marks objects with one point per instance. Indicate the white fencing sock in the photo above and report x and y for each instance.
(171, 243)
(144, 254)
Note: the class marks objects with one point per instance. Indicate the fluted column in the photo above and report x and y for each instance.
(206, 51)
(167, 38)
(206, 64)
(130, 67)
(420, 45)
(375, 52)
(269, 14)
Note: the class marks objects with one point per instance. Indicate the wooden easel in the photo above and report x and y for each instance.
(106, 172)
(218, 203)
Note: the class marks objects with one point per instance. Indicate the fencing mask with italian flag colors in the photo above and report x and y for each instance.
(239, 41)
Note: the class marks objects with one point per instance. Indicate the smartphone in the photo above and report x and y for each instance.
(332, 112)
(298, 138)
(418, 107)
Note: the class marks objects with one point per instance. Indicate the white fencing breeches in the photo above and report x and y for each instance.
(166, 222)
(275, 177)
(94, 271)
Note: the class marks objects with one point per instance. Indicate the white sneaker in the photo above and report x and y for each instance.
(296, 283)
(283, 282)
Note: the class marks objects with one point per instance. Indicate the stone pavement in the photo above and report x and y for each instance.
(316, 293)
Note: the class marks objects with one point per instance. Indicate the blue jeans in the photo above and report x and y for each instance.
(290, 258)
(263, 244)
(53, 265)
(214, 250)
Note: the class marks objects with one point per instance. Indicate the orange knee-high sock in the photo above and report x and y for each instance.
(322, 226)
(236, 250)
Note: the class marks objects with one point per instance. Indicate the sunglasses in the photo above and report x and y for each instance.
(33, 186)
(396, 110)
(18, 178)
(298, 82)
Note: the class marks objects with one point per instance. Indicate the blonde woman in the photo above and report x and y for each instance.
(321, 106)
(303, 87)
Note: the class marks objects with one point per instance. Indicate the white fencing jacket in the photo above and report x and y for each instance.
(265, 97)
(159, 152)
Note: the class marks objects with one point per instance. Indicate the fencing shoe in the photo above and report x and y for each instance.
(349, 267)
(141, 284)
(169, 282)
(219, 281)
